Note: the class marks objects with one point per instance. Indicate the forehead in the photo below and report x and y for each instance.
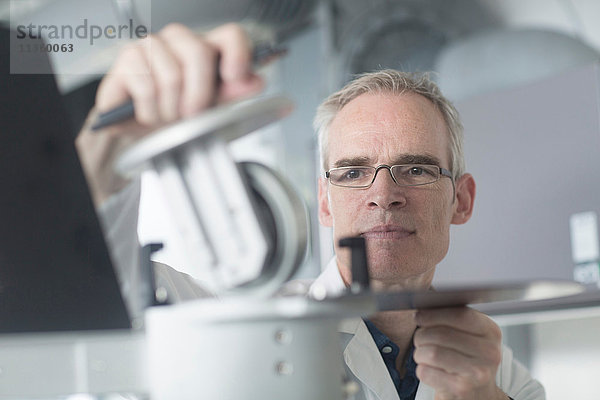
(383, 127)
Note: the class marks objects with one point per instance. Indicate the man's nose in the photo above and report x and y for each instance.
(384, 192)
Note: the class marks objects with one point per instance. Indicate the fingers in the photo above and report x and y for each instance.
(455, 387)
(177, 73)
(235, 65)
(446, 385)
(460, 318)
(130, 78)
(458, 341)
(199, 60)
(458, 351)
(167, 75)
(235, 51)
(173, 74)
(478, 370)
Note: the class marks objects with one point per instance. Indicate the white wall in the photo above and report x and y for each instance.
(533, 151)
(566, 358)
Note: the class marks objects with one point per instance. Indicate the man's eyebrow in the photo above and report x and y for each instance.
(426, 159)
(352, 162)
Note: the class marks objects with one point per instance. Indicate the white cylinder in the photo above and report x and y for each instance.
(285, 348)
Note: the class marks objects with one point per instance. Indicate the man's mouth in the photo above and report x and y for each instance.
(387, 232)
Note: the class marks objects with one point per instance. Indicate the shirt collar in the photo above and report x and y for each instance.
(329, 283)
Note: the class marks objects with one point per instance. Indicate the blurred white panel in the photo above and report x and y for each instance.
(566, 358)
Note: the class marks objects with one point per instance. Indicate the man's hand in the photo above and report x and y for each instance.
(458, 351)
(171, 75)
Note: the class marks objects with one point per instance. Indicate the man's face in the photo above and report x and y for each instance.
(406, 228)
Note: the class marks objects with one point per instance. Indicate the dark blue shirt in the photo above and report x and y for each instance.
(406, 386)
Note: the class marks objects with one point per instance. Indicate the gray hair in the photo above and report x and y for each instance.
(395, 82)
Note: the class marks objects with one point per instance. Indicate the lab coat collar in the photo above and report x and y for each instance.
(330, 280)
(363, 359)
(361, 354)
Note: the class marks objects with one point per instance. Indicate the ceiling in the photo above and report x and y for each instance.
(364, 31)
(474, 46)
(577, 17)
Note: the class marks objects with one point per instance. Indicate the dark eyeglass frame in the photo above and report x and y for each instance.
(442, 172)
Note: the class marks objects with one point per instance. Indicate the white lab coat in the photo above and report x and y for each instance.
(363, 362)
(365, 365)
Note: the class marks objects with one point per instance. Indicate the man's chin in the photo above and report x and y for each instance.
(391, 250)
(393, 277)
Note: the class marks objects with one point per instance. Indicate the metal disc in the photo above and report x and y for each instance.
(285, 220)
(460, 296)
(229, 122)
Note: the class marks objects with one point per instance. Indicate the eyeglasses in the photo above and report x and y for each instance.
(403, 175)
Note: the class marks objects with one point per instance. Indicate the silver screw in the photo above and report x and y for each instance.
(283, 336)
(161, 294)
(284, 368)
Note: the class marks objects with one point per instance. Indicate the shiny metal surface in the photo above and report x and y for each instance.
(284, 219)
(228, 122)
(493, 293)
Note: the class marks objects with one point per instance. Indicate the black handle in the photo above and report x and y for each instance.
(360, 270)
(117, 114)
(148, 282)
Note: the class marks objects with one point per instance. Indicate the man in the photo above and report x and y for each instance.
(391, 147)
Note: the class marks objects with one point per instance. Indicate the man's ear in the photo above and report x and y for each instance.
(465, 197)
(325, 217)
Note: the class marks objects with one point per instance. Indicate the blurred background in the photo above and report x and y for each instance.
(524, 75)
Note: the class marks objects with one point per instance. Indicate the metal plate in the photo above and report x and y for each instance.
(460, 296)
(229, 122)
(284, 216)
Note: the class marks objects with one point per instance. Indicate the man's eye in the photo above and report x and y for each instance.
(353, 174)
(421, 171)
(416, 171)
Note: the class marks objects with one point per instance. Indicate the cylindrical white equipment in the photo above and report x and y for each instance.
(245, 348)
